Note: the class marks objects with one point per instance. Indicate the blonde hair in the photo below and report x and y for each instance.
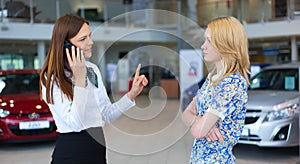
(229, 38)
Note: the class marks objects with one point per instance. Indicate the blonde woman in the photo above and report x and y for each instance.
(221, 102)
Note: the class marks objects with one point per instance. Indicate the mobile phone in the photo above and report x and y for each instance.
(68, 44)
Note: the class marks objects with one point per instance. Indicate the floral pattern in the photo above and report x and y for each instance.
(228, 100)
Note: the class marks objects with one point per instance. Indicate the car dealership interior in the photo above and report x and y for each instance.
(165, 37)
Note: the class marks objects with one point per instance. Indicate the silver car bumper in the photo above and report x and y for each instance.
(279, 133)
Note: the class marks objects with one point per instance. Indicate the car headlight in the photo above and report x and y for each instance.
(4, 113)
(284, 113)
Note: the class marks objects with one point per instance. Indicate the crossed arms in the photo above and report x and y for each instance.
(201, 126)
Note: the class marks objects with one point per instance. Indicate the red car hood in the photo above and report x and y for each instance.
(23, 103)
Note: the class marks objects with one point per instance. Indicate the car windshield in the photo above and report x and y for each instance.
(275, 79)
(19, 83)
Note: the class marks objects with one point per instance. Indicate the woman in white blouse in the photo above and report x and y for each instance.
(79, 107)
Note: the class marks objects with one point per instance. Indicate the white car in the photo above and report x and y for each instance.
(272, 118)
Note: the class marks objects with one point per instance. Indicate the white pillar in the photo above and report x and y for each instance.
(31, 11)
(294, 49)
(105, 13)
(41, 50)
(82, 14)
(57, 4)
(192, 13)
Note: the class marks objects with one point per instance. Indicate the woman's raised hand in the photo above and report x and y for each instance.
(77, 63)
(139, 82)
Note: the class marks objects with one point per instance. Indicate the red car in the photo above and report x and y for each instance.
(23, 116)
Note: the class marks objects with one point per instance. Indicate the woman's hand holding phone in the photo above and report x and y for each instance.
(77, 64)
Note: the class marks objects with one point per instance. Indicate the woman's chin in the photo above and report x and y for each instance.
(87, 55)
(206, 59)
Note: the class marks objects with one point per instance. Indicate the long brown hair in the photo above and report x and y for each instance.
(56, 64)
(229, 38)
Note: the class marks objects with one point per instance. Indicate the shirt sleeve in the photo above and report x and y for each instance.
(115, 110)
(67, 113)
(111, 111)
(223, 98)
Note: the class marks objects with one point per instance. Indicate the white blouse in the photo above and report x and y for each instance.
(91, 106)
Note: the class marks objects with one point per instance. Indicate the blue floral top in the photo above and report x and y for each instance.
(227, 100)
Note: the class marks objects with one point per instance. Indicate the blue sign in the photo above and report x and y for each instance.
(274, 51)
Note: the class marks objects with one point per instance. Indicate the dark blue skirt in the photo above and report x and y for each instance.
(85, 147)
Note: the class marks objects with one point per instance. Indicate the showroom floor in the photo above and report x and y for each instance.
(151, 133)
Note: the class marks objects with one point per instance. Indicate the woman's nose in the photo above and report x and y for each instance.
(202, 46)
(90, 41)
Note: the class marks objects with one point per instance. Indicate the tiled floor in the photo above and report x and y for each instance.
(151, 133)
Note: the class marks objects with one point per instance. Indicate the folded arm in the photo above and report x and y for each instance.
(201, 126)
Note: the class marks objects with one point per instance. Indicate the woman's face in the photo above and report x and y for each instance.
(83, 40)
(208, 51)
